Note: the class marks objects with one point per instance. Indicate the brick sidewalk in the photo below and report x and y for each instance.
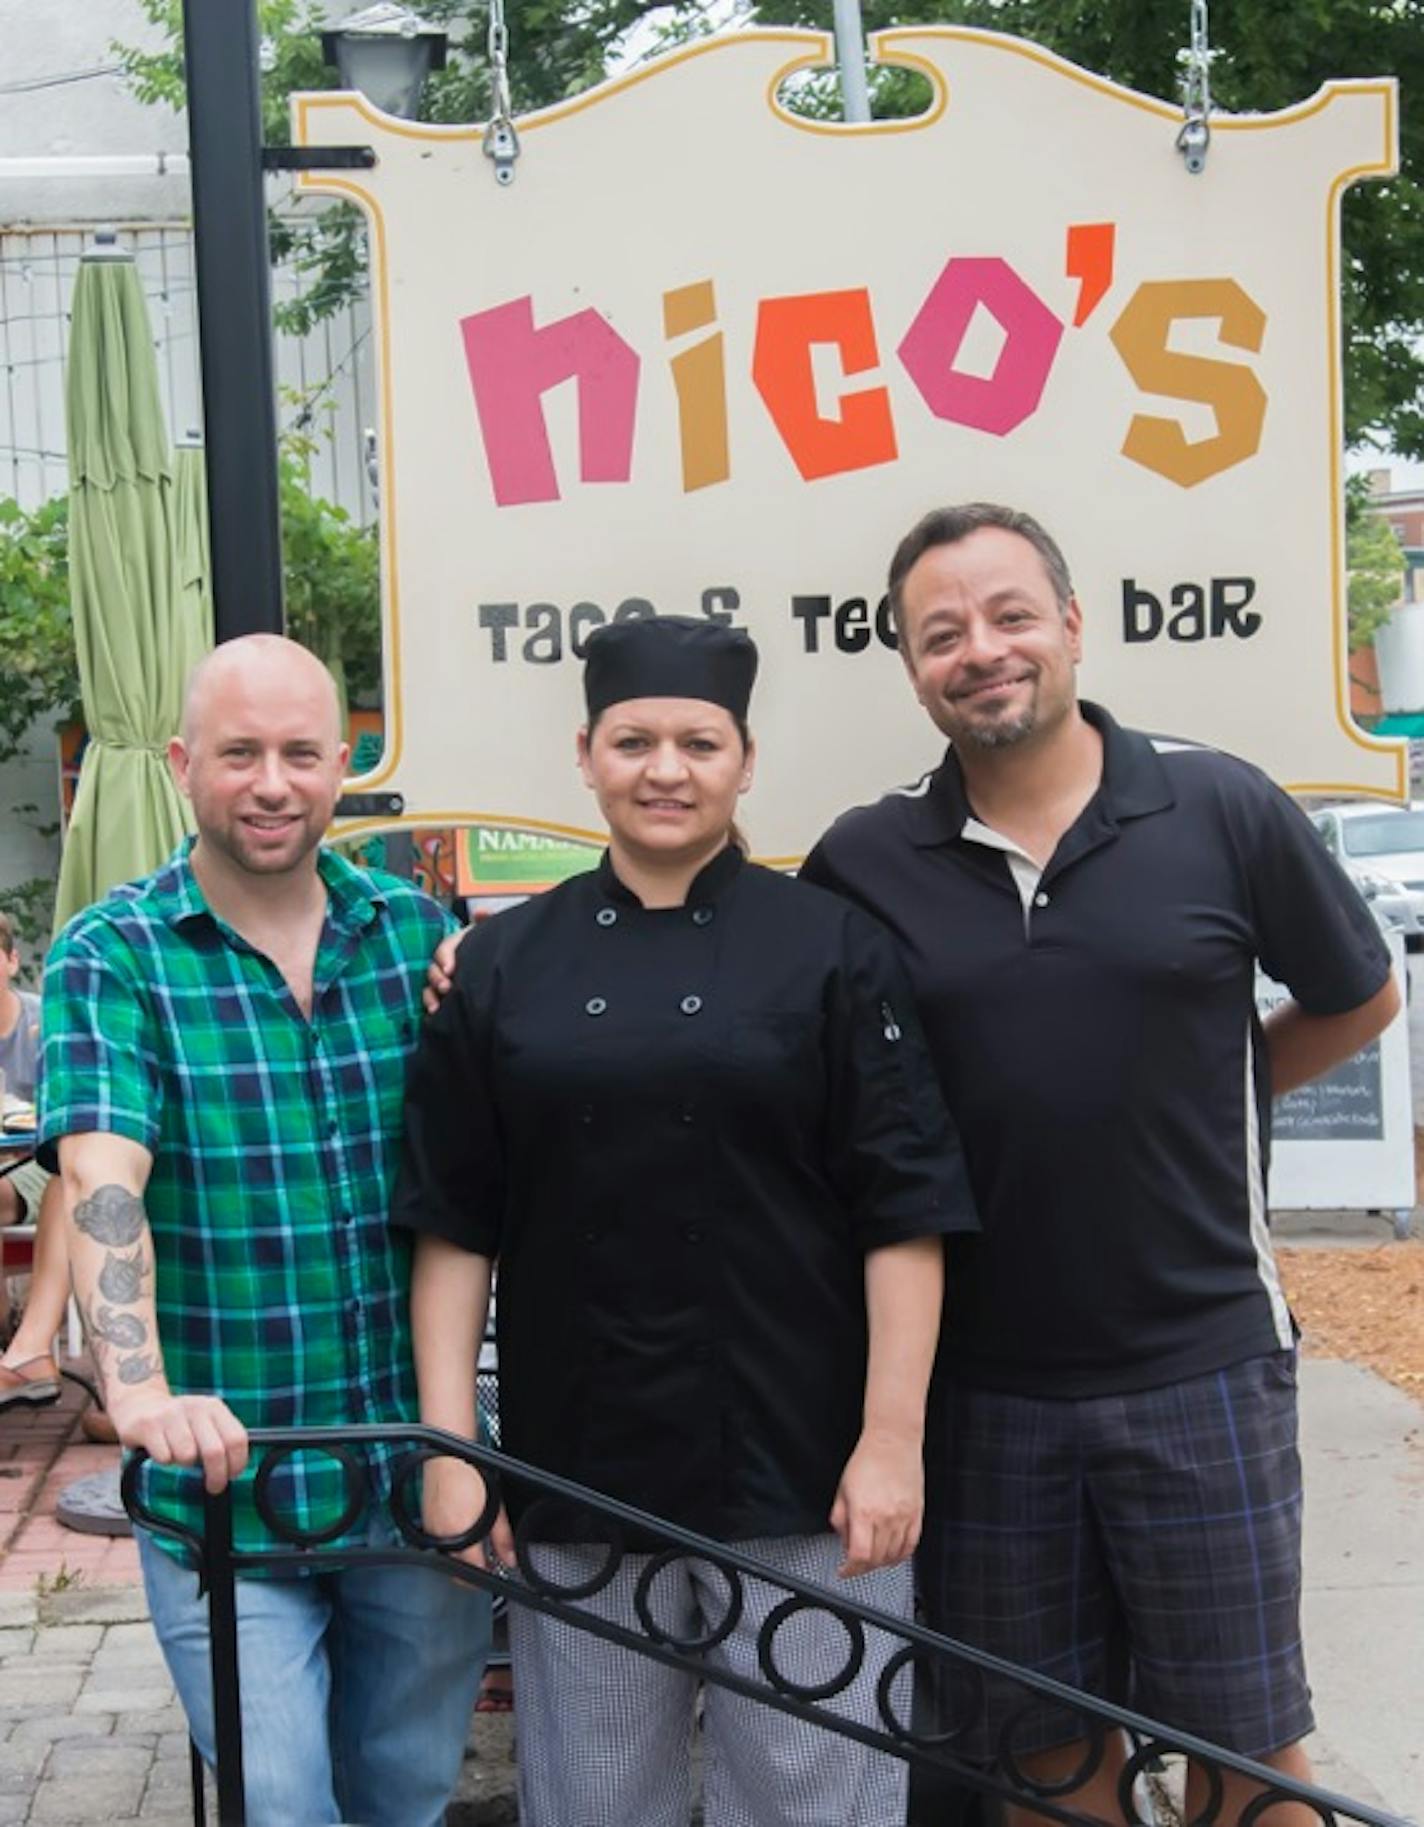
(90, 1730)
(89, 1727)
(42, 1452)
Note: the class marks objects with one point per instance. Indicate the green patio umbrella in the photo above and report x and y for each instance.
(136, 636)
(190, 536)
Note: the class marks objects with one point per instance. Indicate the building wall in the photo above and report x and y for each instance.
(1404, 510)
(89, 115)
(1399, 645)
(1366, 701)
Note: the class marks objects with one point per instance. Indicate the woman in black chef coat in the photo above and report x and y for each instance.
(684, 1104)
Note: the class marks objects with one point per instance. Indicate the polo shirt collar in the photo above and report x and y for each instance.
(353, 897)
(1134, 784)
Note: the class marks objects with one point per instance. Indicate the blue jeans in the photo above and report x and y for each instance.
(357, 1686)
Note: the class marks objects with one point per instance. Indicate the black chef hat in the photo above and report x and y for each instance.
(669, 656)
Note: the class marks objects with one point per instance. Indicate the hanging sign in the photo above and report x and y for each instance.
(705, 357)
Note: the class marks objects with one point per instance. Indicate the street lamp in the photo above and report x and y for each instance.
(232, 270)
(387, 52)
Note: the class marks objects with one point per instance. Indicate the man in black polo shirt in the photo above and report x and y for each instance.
(1082, 909)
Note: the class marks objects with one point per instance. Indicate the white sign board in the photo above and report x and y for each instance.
(1346, 1142)
(704, 356)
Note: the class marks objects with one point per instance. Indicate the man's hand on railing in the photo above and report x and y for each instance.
(181, 1430)
(452, 1496)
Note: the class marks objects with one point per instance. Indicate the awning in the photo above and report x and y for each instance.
(1401, 723)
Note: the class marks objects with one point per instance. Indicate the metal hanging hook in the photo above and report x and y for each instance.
(1194, 138)
(501, 142)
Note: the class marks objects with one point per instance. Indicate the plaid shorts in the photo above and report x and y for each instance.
(1143, 1548)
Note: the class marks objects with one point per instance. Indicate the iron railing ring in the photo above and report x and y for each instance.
(525, 1539)
(690, 1646)
(357, 1498)
(1095, 1736)
(815, 1690)
(1272, 1798)
(403, 1475)
(913, 1655)
(1151, 1751)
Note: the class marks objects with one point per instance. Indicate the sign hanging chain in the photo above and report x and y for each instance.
(1195, 135)
(501, 142)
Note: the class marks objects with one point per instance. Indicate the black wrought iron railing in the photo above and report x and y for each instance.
(959, 1670)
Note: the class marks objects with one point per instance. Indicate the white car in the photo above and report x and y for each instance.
(1382, 848)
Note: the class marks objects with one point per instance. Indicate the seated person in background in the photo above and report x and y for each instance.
(29, 1376)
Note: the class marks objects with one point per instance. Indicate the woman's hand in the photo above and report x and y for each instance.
(452, 1496)
(440, 972)
(880, 1502)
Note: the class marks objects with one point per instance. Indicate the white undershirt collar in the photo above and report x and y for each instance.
(1026, 872)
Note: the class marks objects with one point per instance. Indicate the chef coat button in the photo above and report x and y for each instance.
(594, 1006)
(606, 916)
(687, 1114)
(590, 1236)
(586, 1114)
(693, 1233)
(1040, 899)
(702, 916)
(690, 1004)
(701, 1353)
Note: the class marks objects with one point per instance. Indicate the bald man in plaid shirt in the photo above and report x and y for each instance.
(225, 1052)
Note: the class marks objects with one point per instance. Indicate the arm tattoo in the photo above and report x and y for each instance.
(124, 1330)
(121, 1278)
(112, 1215)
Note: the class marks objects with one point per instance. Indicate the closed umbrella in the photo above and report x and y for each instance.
(190, 538)
(136, 640)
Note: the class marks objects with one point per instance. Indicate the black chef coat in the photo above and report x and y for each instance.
(679, 1130)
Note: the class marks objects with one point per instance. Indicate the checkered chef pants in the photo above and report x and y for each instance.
(605, 1735)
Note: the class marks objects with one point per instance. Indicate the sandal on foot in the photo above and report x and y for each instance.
(35, 1383)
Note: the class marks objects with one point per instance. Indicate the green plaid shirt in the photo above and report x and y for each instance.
(275, 1141)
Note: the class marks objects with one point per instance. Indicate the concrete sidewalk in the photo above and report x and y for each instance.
(1363, 1443)
(89, 1730)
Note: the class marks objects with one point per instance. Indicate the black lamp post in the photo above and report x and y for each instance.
(232, 268)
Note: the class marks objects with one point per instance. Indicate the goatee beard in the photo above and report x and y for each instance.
(1005, 733)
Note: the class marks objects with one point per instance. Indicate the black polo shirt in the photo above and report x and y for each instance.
(1101, 1056)
(680, 1130)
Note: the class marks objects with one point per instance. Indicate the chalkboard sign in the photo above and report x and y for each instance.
(1346, 1142)
(1347, 1105)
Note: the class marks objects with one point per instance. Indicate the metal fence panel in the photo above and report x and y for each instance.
(325, 385)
